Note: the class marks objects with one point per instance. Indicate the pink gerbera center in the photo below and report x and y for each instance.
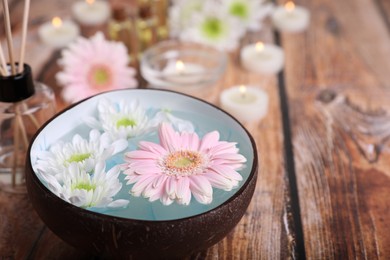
(100, 76)
(183, 163)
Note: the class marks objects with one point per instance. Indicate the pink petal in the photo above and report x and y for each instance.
(160, 181)
(132, 179)
(201, 185)
(152, 147)
(141, 185)
(169, 139)
(227, 172)
(190, 141)
(140, 154)
(166, 200)
(230, 157)
(219, 181)
(148, 169)
(183, 186)
(202, 198)
(186, 199)
(157, 195)
(224, 147)
(170, 187)
(208, 141)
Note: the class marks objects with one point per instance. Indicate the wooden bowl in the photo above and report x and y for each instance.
(166, 236)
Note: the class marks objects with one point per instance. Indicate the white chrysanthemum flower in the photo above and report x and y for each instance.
(83, 153)
(120, 120)
(180, 14)
(88, 190)
(214, 27)
(93, 65)
(249, 12)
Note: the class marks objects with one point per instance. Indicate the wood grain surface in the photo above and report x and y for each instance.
(324, 178)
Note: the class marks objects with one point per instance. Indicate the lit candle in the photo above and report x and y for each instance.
(245, 103)
(183, 73)
(91, 12)
(58, 33)
(291, 18)
(262, 58)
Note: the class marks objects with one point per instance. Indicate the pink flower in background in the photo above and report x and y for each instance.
(182, 166)
(94, 65)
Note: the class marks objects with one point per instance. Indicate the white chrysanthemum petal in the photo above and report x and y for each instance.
(81, 153)
(120, 121)
(85, 190)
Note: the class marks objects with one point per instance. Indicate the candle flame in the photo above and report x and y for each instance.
(57, 22)
(90, 2)
(259, 46)
(242, 90)
(289, 6)
(180, 66)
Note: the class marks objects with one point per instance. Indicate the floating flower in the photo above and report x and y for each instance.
(89, 190)
(181, 166)
(85, 154)
(166, 116)
(120, 120)
(93, 65)
(249, 12)
(215, 28)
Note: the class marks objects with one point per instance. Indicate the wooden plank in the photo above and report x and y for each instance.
(19, 226)
(264, 232)
(336, 74)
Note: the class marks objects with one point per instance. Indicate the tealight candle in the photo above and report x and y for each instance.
(91, 12)
(183, 73)
(262, 58)
(245, 103)
(291, 18)
(58, 33)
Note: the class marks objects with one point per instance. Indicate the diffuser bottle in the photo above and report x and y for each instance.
(24, 106)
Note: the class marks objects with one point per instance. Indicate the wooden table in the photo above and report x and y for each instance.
(324, 181)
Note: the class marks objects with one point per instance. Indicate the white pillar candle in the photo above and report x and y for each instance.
(291, 18)
(246, 103)
(179, 72)
(58, 33)
(262, 58)
(91, 12)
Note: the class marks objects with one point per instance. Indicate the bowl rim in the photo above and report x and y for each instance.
(160, 81)
(105, 217)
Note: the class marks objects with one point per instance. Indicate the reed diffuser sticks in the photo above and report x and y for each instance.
(20, 136)
(7, 23)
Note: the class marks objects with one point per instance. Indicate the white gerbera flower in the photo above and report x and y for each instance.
(249, 12)
(213, 27)
(85, 190)
(123, 120)
(93, 65)
(83, 153)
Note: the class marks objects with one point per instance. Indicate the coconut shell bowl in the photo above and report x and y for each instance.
(136, 218)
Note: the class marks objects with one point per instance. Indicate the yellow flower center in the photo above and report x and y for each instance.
(100, 76)
(84, 186)
(239, 9)
(183, 163)
(125, 122)
(79, 157)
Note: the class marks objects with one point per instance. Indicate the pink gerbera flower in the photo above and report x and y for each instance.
(181, 166)
(93, 65)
